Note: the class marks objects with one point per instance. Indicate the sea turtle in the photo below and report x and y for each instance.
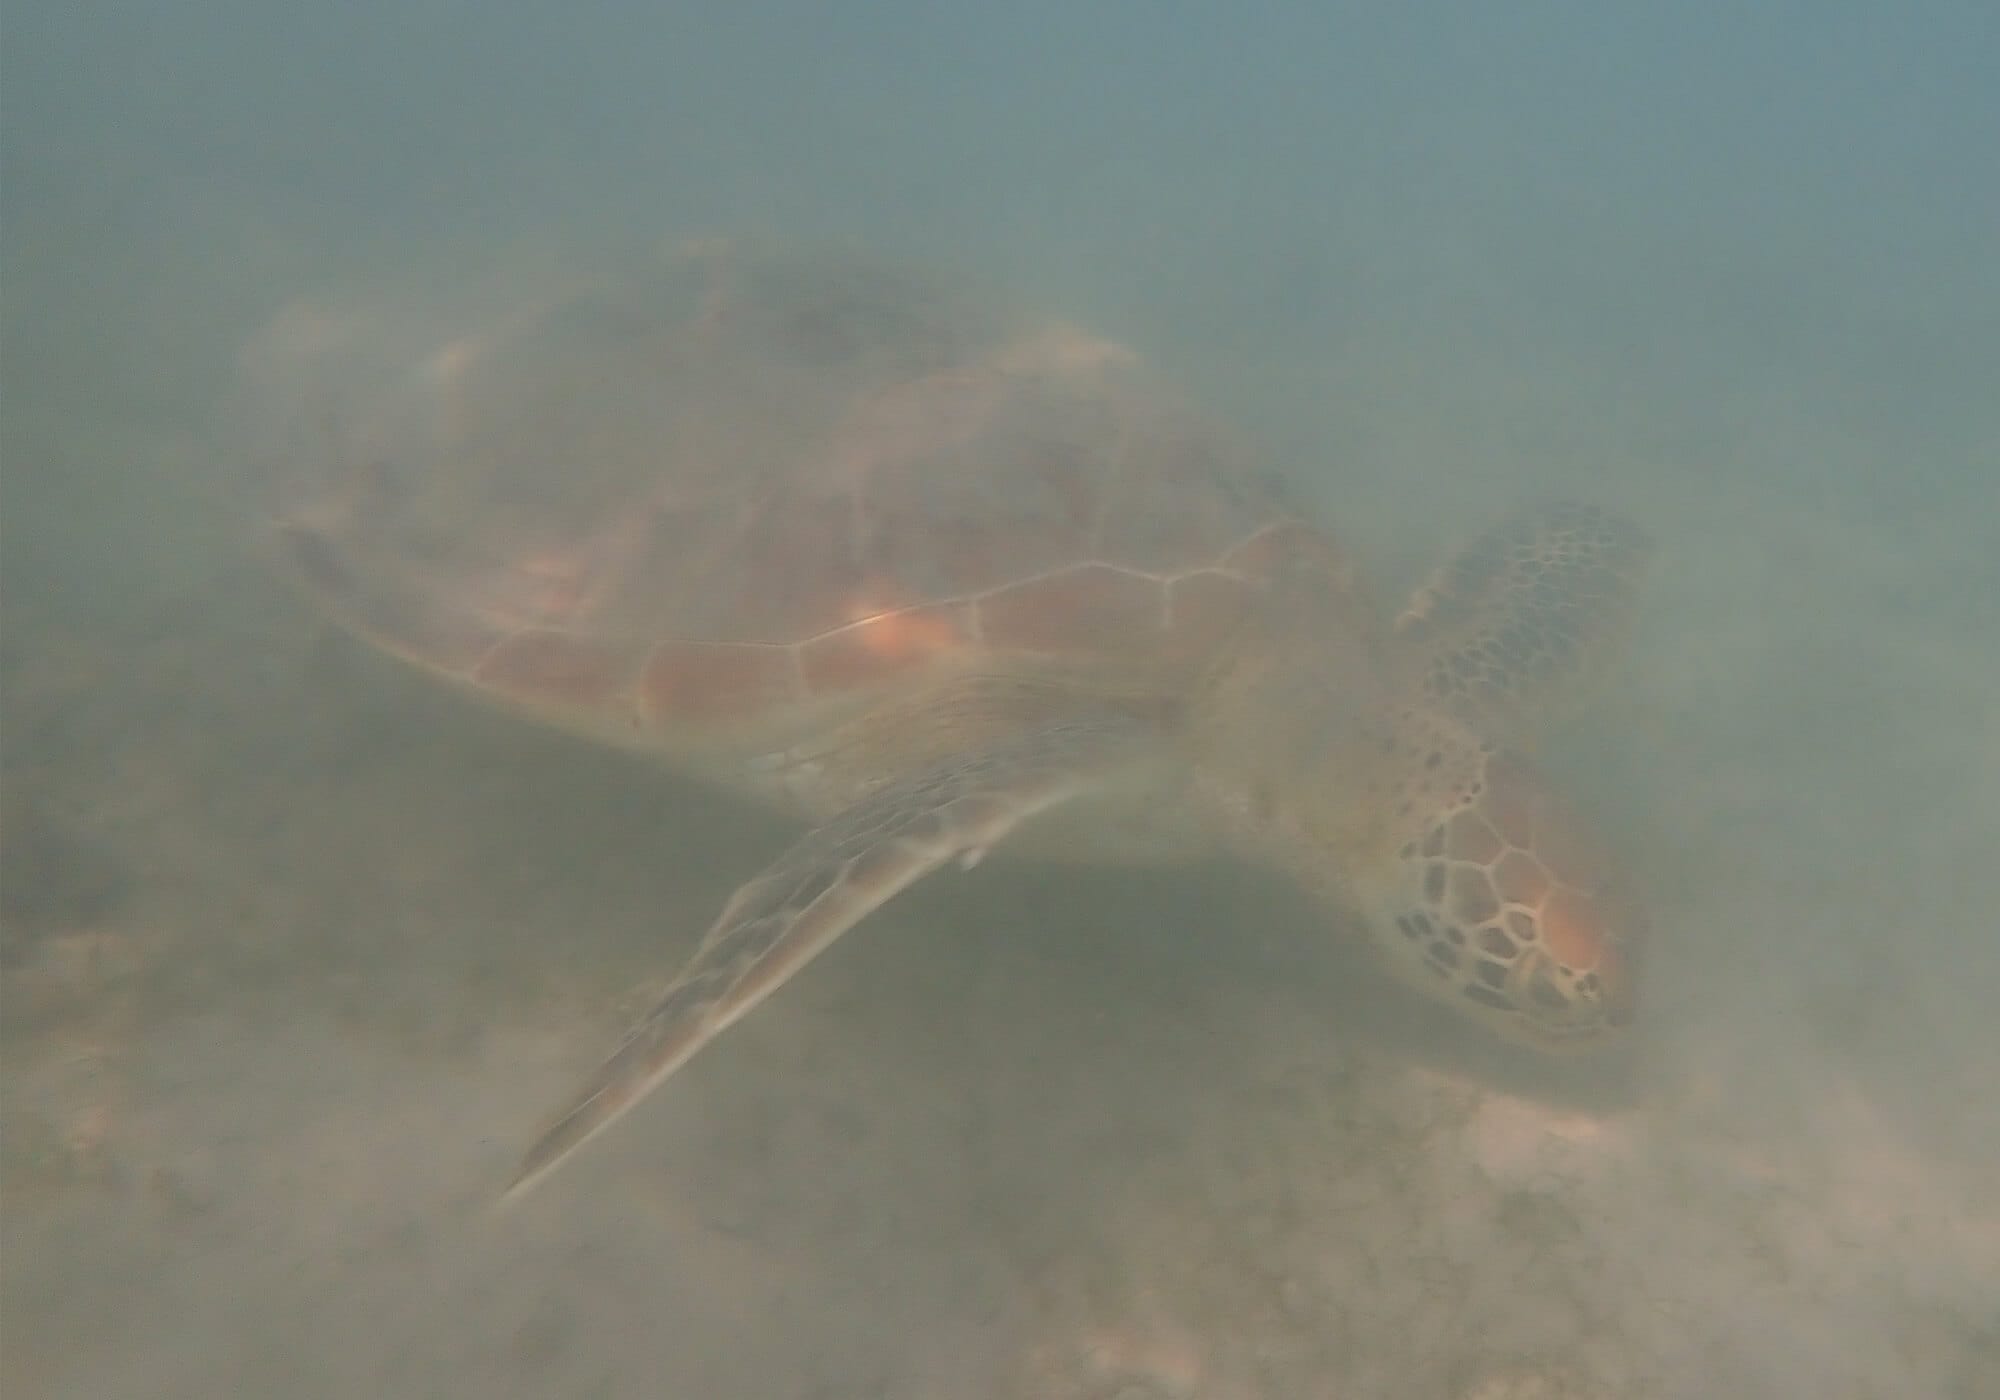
(923, 572)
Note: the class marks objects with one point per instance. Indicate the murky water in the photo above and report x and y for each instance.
(298, 949)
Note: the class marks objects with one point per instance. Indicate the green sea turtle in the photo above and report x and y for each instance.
(934, 577)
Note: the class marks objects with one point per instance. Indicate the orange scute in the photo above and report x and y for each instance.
(874, 650)
(1090, 608)
(1574, 930)
(1203, 608)
(556, 668)
(907, 635)
(1520, 879)
(693, 682)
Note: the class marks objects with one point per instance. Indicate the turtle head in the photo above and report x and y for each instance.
(1498, 901)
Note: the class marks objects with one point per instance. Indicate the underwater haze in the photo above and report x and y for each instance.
(298, 946)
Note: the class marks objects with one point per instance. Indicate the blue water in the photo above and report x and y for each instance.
(1730, 269)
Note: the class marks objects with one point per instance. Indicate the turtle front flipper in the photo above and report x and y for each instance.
(825, 884)
(1511, 631)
